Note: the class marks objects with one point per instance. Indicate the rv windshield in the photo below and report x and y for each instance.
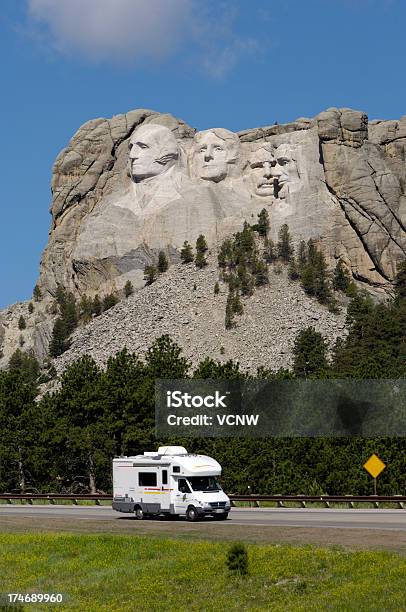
(204, 483)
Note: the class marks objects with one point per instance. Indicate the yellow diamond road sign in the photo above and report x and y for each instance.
(374, 466)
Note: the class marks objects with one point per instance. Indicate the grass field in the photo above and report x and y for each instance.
(109, 572)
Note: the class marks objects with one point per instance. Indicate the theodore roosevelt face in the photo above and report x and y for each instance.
(272, 170)
(261, 164)
(215, 152)
(153, 150)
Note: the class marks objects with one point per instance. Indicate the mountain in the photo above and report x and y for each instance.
(127, 187)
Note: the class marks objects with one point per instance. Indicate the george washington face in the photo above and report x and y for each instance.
(153, 150)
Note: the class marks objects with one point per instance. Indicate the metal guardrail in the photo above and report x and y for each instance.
(280, 500)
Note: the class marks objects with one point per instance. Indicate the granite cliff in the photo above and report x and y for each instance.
(125, 188)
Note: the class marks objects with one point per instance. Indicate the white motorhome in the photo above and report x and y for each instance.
(171, 482)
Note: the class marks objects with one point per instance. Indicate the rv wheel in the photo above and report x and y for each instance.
(191, 514)
(139, 514)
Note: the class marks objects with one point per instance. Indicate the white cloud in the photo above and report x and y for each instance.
(137, 30)
(114, 29)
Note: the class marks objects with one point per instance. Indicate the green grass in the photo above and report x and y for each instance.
(151, 573)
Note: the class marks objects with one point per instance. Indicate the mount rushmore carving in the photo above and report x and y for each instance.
(130, 186)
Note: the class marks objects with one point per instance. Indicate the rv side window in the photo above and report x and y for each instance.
(176, 468)
(147, 479)
(164, 477)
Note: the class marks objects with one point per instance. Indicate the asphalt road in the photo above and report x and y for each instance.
(283, 517)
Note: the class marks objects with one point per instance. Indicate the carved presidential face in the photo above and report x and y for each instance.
(215, 153)
(261, 163)
(272, 170)
(153, 150)
(284, 171)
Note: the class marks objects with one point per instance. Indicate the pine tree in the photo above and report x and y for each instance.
(400, 281)
(269, 251)
(302, 254)
(37, 295)
(260, 272)
(186, 254)
(285, 249)
(309, 352)
(128, 289)
(59, 339)
(150, 274)
(225, 255)
(293, 269)
(201, 244)
(162, 262)
(30, 308)
(341, 278)
(263, 223)
(322, 288)
(237, 306)
(307, 278)
(229, 318)
(245, 280)
(200, 260)
(21, 323)
(26, 364)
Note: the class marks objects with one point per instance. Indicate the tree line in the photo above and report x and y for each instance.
(64, 441)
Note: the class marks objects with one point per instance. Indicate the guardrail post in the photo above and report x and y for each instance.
(303, 504)
(376, 504)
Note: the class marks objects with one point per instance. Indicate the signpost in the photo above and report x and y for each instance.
(374, 466)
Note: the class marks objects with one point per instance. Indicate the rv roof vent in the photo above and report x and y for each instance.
(149, 454)
(172, 450)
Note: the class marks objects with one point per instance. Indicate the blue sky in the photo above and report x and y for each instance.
(229, 63)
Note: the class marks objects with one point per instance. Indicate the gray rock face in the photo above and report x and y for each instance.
(127, 187)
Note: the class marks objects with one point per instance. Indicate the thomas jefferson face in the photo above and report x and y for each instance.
(153, 150)
(214, 152)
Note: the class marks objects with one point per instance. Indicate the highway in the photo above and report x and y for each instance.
(282, 517)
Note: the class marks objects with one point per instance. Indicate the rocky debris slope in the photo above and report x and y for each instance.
(194, 319)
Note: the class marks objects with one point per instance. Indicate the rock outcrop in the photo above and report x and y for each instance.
(125, 188)
(182, 304)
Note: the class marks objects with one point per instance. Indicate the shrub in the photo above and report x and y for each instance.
(37, 295)
(21, 323)
(186, 254)
(150, 274)
(216, 289)
(163, 263)
(109, 301)
(237, 559)
(30, 308)
(128, 289)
